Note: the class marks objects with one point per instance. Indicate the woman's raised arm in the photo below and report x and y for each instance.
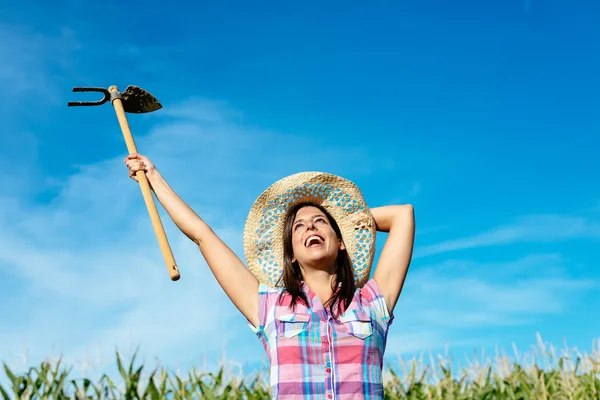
(236, 280)
(395, 257)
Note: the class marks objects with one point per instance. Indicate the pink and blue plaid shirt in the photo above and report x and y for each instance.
(314, 357)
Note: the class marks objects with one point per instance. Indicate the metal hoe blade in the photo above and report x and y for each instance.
(134, 99)
(90, 103)
(137, 100)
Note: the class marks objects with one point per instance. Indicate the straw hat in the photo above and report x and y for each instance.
(263, 232)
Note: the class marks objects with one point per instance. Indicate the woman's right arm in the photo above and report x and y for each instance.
(236, 280)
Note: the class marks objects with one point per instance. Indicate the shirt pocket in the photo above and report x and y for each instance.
(358, 323)
(293, 324)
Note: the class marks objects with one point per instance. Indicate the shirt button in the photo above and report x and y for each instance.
(329, 396)
(325, 343)
(328, 370)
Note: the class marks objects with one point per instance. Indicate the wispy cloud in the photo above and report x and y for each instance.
(89, 258)
(81, 272)
(528, 4)
(27, 76)
(460, 297)
(536, 228)
(91, 251)
(32, 76)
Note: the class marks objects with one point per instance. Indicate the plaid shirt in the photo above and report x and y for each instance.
(314, 357)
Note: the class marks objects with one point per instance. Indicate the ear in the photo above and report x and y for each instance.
(293, 259)
(341, 245)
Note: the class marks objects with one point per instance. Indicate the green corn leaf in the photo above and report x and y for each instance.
(4, 394)
(121, 368)
(558, 379)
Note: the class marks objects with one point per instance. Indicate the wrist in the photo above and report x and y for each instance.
(153, 176)
(153, 173)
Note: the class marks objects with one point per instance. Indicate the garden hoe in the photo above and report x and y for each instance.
(135, 100)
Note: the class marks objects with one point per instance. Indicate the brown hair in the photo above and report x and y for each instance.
(292, 275)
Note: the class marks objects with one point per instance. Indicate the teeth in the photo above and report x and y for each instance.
(313, 240)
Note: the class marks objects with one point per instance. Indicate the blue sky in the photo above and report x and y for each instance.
(483, 115)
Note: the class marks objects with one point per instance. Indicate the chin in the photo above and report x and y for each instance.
(320, 262)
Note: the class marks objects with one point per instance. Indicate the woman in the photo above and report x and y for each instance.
(307, 292)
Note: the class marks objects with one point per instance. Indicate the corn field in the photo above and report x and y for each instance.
(543, 374)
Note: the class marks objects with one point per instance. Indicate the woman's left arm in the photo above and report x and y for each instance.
(392, 267)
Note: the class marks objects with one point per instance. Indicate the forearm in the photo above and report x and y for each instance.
(396, 216)
(182, 214)
(395, 257)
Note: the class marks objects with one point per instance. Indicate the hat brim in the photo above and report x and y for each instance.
(264, 228)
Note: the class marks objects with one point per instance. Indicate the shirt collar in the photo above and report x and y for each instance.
(309, 292)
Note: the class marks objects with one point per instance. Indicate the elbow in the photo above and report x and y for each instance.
(405, 209)
(406, 213)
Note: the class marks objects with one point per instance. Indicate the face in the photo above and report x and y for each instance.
(314, 241)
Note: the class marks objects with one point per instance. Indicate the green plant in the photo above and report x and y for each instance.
(545, 375)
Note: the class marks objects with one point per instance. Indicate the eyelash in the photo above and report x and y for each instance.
(321, 219)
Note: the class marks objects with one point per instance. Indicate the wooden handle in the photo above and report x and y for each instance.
(147, 193)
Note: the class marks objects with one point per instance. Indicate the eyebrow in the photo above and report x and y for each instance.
(313, 217)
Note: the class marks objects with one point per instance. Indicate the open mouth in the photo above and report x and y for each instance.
(314, 241)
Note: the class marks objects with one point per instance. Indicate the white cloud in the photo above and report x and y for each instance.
(36, 69)
(27, 76)
(528, 4)
(536, 228)
(86, 268)
(457, 296)
(88, 259)
(205, 111)
(415, 189)
(86, 272)
(464, 304)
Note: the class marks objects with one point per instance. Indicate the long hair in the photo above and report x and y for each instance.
(292, 275)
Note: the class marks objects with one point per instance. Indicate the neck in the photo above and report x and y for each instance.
(320, 282)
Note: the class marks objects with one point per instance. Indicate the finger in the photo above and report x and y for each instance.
(140, 167)
(133, 156)
(135, 164)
